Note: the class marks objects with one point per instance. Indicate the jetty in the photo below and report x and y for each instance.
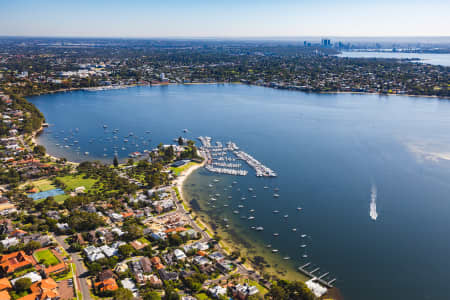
(261, 170)
(320, 279)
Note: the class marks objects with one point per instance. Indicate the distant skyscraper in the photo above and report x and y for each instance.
(326, 43)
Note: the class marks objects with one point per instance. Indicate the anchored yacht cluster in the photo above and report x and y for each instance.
(220, 159)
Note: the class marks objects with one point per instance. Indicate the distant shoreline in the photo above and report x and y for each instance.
(107, 88)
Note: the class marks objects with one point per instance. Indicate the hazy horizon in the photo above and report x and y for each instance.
(234, 19)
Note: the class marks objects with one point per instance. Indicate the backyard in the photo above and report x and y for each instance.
(46, 257)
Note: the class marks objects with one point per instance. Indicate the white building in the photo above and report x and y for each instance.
(218, 291)
(179, 255)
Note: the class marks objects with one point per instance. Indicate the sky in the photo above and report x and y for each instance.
(224, 18)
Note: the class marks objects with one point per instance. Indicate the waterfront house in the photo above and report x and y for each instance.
(242, 291)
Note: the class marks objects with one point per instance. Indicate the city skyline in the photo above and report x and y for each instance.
(203, 19)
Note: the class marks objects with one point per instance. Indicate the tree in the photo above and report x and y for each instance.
(151, 295)
(123, 294)
(22, 284)
(39, 150)
(126, 250)
(94, 268)
(170, 293)
(180, 141)
(115, 162)
(283, 289)
(31, 246)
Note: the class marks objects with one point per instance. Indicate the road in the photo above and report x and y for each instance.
(81, 272)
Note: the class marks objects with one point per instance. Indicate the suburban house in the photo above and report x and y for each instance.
(10, 263)
(109, 284)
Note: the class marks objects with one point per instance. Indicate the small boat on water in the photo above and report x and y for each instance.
(229, 197)
(252, 210)
(276, 211)
(259, 228)
(286, 216)
(105, 126)
(304, 256)
(251, 218)
(275, 251)
(234, 182)
(276, 234)
(286, 258)
(243, 198)
(254, 196)
(299, 208)
(86, 153)
(240, 206)
(210, 185)
(268, 246)
(303, 235)
(217, 195)
(250, 189)
(276, 195)
(302, 246)
(235, 212)
(216, 180)
(294, 229)
(266, 187)
(225, 205)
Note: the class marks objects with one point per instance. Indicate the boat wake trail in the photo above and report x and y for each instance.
(373, 204)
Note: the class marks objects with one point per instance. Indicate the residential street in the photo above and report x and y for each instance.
(81, 272)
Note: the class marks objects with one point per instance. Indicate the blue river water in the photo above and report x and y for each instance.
(335, 154)
(426, 58)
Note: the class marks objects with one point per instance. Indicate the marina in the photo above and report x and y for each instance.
(220, 159)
